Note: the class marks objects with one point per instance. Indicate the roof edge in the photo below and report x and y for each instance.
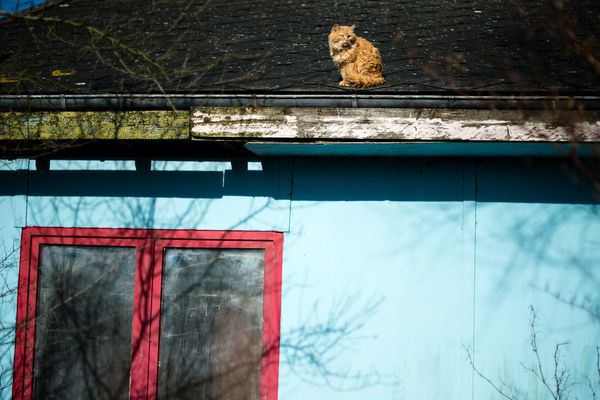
(141, 102)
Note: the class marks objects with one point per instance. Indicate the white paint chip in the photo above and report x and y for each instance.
(388, 124)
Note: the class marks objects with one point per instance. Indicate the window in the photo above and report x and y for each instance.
(144, 314)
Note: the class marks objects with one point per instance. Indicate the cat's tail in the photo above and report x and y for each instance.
(364, 81)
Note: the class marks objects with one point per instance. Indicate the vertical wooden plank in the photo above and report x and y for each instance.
(142, 322)
(272, 318)
(20, 363)
(468, 275)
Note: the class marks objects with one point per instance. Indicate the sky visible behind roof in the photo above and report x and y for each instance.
(12, 6)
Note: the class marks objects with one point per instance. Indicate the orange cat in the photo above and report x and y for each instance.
(358, 60)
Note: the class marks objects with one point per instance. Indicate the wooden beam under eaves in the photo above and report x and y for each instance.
(394, 125)
(224, 132)
(78, 125)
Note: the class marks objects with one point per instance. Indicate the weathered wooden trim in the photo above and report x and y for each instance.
(394, 125)
(94, 125)
(242, 131)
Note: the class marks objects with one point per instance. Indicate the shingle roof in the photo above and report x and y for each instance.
(195, 46)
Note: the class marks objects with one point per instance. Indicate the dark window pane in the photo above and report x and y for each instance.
(211, 324)
(83, 328)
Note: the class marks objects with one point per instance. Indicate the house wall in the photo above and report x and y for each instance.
(395, 270)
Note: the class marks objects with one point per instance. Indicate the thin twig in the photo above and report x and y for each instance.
(485, 378)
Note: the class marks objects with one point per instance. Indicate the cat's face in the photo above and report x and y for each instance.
(342, 37)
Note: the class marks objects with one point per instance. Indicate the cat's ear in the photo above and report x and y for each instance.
(353, 27)
(335, 27)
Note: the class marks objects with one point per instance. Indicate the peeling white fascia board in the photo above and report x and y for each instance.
(385, 124)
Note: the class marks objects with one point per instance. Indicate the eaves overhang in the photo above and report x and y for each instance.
(217, 126)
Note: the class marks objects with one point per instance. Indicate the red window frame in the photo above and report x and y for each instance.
(149, 244)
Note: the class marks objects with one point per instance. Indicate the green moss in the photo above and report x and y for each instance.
(95, 125)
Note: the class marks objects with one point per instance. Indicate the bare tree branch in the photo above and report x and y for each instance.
(488, 380)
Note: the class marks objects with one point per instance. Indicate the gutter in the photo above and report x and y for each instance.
(144, 102)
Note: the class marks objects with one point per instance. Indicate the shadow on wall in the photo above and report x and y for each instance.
(328, 179)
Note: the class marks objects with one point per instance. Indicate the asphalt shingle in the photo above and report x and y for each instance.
(183, 46)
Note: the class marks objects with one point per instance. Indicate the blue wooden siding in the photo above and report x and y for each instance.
(451, 252)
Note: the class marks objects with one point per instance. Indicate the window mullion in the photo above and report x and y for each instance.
(142, 321)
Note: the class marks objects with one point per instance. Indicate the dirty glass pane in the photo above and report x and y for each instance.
(211, 324)
(83, 328)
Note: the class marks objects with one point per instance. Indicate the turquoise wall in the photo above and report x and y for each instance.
(395, 270)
